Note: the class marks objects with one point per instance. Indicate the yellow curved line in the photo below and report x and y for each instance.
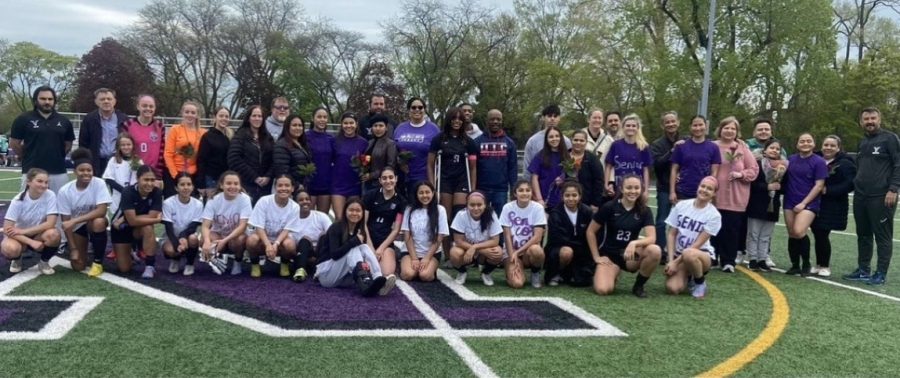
(781, 313)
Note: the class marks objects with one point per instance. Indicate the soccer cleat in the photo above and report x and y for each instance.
(638, 291)
(285, 270)
(699, 290)
(15, 266)
(389, 283)
(300, 275)
(149, 272)
(555, 280)
(728, 268)
(255, 271)
(536, 280)
(857, 275)
(763, 266)
(45, 268)
(487, 279)
(236, 268)
(877, 279)
(824, 272)
(96, 270)
(188, 270)
(461, 277)
(174, 266)
(770, 263)
(794, 271)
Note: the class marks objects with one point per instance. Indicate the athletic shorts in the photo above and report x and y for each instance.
(616, 256)
(454, 185)
(82, 231)
(436, 255)
(123, 236)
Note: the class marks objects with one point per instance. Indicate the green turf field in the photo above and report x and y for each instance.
(135, 331)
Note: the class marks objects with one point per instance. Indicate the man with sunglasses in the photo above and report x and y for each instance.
(281, 108)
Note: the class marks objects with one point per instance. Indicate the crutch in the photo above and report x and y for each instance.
(468, 174)
(437, 173)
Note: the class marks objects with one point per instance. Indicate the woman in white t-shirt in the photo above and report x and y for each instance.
(31, 223)
(274, 219)
(425, 226)
(692, 223)
(312, 225)
(83, 204)
(523, 222)
(181, 217)
(476, 237)
(225, 219)
(120, 171)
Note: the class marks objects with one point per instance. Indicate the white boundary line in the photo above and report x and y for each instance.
(850, 287)
(57, 327)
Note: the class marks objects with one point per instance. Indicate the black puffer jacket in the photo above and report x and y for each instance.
(287, 157)
(249, 158)
(835, 201)
(590, 176)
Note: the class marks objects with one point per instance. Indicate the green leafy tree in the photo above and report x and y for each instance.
(25, 66)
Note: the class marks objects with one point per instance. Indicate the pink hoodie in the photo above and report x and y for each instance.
(733, 195)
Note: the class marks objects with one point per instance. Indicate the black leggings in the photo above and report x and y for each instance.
(823, 247)
(729, 237)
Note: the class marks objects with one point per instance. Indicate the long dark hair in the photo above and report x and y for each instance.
(345, 224)
(547, 152)
(640, 203)
(431, 209)
(447, 128)
(286, 131)
(487, 217)
(263, 132)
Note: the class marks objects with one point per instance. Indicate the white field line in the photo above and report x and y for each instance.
(849, 287)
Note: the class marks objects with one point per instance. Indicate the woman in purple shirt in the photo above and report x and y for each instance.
(414, 136)
(345, 180)
(629, 155)
(321, 145)
(692, 160)
(804, 181)
(546, 170)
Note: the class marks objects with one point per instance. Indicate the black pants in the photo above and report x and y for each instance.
(727, 241)
(873, 219)
(823, 247)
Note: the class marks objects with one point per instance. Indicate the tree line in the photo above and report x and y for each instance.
(809, 64)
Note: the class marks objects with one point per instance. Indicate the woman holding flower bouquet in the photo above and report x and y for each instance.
(291, 155)
(182, 143)
(737, 171)
(835, 201)
(351, 165)
(546, 169)
(588, 169)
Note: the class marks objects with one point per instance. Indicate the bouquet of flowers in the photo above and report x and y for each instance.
(362, 164)
(187, 151)
(774, 170)
(571, 167)
(306, 171)
(135, 163)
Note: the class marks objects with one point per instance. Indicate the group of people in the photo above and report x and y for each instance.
(579, 214)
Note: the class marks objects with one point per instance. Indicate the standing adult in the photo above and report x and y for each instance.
(629, 155)
(835, 201)
(763, 130)
(737, 172)
(598, 140)
(498, 162)
(182, 143)
(875, 196)
(588, 171)
(549, 118)
(148, 134)
(805, 179)
(43, 137)
(414, 136)
(275, 122)
(377, 107)
(661, 150)
(321, 144)
(613, 120)
(213, 145)
(250, 154)
(346, 181)
(468, 112)
(382, 149)
(291, 151)
(693, 160)
(100, 127)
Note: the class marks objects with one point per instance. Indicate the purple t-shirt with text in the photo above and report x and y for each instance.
(416, 140)
(695, 162)
(802, 174)
(626, 159)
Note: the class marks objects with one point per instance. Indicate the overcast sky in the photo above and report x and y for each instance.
(72, 27)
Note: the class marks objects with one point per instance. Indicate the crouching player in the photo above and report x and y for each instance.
(274, 218)
(181, 217)
(691, 224)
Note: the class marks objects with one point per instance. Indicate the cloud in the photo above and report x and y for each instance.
(96, 14)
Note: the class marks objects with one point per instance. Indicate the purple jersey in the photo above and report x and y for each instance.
(345, 179)
(322, 147)
(416, 140)
(802, 174)
(626, 159)
(547, 176)
(695, 162)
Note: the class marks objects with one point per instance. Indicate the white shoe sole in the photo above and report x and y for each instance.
(389, 283)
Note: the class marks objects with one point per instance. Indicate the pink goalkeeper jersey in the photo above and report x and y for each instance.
(148, 143)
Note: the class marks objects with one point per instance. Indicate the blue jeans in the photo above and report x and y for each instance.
(663, 207)
(497, 199)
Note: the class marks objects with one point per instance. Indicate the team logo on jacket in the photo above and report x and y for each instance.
(875, 150)
(154, 136)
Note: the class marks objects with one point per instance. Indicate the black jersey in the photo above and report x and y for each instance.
(620, 226)
(382, 214)
(131, 200)
(453, 151)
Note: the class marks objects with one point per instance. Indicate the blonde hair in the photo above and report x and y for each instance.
(726, 122)
(197, 106)
(639, 138)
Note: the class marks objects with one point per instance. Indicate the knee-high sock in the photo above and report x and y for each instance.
(98, 242)
(794, 251)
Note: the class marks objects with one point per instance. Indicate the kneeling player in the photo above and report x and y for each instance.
(275, 218)
(691, 224)
(181, 216)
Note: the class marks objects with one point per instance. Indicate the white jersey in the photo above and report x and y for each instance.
(180, 214)
(273, 218)
(28, 212)
(226, 215)
(691, 221)
(312, 227)
(122, 174)
(75, 203)
(420, 233)
(522, 221)
(471, 228)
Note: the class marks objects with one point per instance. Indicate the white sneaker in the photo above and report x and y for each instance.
(149, 272)
(487, 279)
(728, 268)
(461, 277)
(555, 280)
(188, 270)
(45, 268)
(15, 266)
(536, 280)
(389, 283)
(769, 262)
(815, 270)
(174, 266)
(236, 268)
(739, 259)
(824, 272)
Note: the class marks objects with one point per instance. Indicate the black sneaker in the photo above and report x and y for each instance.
(794, 271)
(763, 266)
(754, 265)
(363, 277)
(375, 286)
(638, 291)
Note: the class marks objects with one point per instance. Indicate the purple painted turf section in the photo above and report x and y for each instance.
(6, 313)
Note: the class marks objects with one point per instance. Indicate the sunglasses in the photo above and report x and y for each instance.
(282, 107)
(417, 107)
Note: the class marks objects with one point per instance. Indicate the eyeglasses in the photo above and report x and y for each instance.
(282, 107)
(417, 107)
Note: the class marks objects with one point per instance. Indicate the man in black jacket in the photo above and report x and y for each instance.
(875, 196)
(100, 127)
(661, 149)
(376, 107)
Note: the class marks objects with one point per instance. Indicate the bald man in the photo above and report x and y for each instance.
(497, 162)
